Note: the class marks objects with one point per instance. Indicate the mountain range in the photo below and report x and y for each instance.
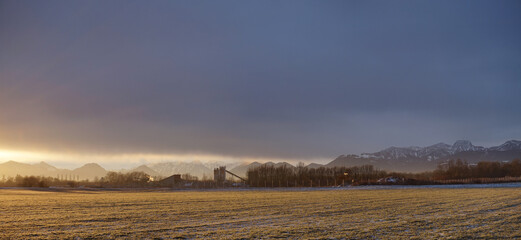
(416, 159)
(403, 159)
(88, 171)
(92, 171)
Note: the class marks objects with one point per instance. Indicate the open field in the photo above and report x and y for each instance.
(384, 213)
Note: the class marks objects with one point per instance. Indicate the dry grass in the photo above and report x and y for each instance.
(380, 214)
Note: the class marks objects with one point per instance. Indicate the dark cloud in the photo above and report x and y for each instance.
(272, 79)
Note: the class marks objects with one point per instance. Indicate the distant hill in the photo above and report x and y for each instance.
(193, 168)
(279, 164)
(215, 164)
(43, 166)
(243, 168)
(314, 165)
(12, 168)
(145, 169)
(88, 171)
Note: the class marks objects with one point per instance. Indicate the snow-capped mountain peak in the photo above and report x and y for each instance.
(508, 145)
(396, 152)
(439, 146)
(462, 146)
(433, 152)
(465, 146)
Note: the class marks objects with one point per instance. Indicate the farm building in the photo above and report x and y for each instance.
(171, 181)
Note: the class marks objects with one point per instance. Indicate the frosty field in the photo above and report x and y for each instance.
(367, 213)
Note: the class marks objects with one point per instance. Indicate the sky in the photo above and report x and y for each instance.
(120, 82)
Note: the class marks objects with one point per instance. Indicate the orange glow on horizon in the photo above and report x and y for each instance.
(8, 155)
(131, 158)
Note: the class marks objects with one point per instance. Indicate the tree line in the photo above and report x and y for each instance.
(37, 181)
(460, 169)
(301, 176)
(112, 179)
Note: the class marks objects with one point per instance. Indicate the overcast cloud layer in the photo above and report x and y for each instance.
(281, 79)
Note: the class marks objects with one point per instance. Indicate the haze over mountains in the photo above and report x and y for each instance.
(88, 171)
(404, 159)
(93, 170)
